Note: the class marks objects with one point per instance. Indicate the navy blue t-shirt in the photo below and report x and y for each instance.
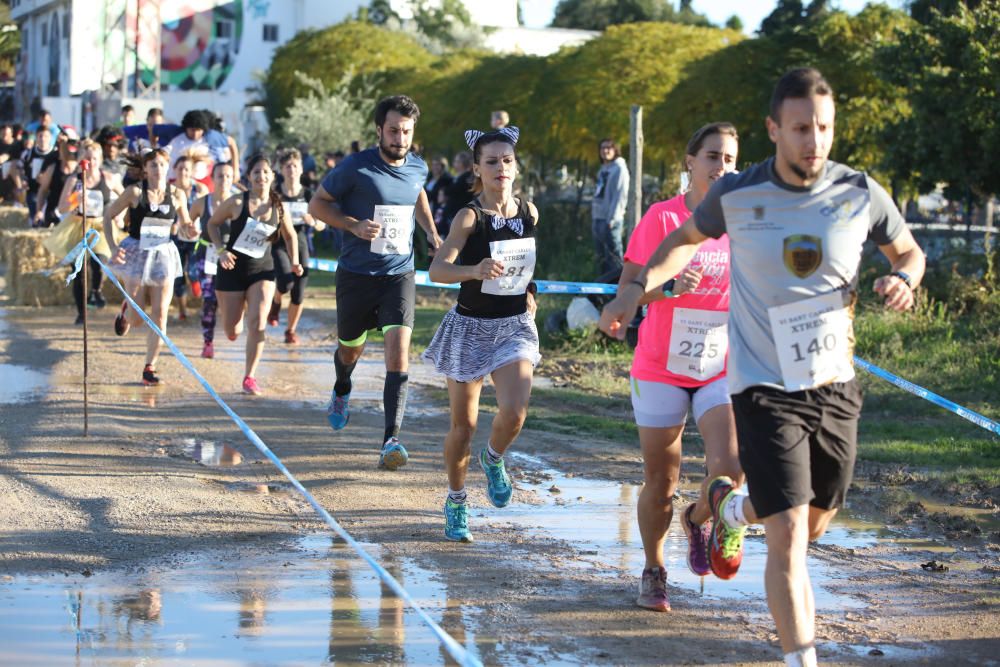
(359, 183)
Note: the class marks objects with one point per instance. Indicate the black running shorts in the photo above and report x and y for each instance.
(798, 447)
(372, 302)
(243, 275)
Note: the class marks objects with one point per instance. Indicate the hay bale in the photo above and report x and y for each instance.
(13, 217)
(38, 288)
(24, 253)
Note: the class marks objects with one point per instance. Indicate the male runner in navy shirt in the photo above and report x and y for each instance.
(376, 195)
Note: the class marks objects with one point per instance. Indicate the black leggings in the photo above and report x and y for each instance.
(96, 278)
(285, 279)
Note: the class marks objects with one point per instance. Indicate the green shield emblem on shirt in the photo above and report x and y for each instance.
(803, 254)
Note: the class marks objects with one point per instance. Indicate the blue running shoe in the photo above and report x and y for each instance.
(337, 413)
(393, 455)
(498, 486)
(456, 521)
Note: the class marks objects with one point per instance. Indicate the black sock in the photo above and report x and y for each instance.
(343, 384)
(394, 400)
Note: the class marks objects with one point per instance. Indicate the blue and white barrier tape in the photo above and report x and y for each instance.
(560, 287)
(916, 390)
(456, 650)
(423, 279)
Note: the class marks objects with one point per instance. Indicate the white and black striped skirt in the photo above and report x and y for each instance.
(469, 348)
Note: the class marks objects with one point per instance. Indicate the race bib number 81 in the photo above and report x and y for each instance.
(518, 258)
(811, 338)
(699, 340)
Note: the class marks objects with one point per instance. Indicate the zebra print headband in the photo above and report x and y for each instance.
(473, 136)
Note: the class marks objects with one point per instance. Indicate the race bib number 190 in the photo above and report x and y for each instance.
(397, 229)
(699, 340)
(253, 240)
(518, 258)
(811, 338)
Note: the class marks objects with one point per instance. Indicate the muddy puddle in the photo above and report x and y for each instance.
(19, 384)
(312, 602)
(598, 518)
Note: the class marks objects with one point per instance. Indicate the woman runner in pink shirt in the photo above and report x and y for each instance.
(680, 363)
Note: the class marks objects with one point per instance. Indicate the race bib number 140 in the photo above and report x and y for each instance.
(812, 339)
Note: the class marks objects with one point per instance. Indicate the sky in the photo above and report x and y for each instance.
(538, 13)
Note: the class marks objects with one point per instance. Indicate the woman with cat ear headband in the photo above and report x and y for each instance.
(490, 250)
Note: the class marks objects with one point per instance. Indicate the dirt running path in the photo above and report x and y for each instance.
(126, 494)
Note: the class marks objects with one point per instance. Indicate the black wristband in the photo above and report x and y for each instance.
(668, 287)
(905, 277)
(636, 281)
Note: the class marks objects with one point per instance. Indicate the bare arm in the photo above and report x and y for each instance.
(181, 206)
(287, 231)
(117, 208)
(67, 192)
(44, 181)
(443, 268)
(426, 219)
(228, 210)
(905, 256)
(324, 208)
(669, 259)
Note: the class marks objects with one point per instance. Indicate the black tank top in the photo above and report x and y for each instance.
(305, 194)
(252, 265)
(472, 302)
(143, 210)
(101, 187)
(206, 215)
(55, 192)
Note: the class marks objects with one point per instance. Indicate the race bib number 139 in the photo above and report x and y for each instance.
(397, 229)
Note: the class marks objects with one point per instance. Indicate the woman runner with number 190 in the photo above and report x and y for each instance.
(245, 280)
(490, 249)
(680, 364)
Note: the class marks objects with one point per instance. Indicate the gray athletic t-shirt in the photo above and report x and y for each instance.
(788, 244)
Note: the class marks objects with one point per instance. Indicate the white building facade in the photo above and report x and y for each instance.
(208, 53)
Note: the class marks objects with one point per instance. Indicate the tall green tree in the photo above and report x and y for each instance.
(600, 14)
(735, 85)
(923, 10)
(324, 55)
(949, 69)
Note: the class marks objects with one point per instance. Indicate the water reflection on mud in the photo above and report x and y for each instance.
(311, 603)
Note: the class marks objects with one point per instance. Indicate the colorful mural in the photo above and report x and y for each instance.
(200, 41)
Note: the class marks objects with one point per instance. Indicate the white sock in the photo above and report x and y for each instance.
(493, 455)
(804, 657)
(732, 511)
(457, 497)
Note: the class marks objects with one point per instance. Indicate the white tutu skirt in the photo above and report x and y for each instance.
(469, 348)
(154, 268)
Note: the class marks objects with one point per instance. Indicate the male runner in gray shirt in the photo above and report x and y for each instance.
(796, 224)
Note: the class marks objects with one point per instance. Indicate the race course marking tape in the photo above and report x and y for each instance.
(561, 287)
(456, 650)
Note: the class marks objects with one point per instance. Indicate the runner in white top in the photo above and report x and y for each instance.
(797, 224)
